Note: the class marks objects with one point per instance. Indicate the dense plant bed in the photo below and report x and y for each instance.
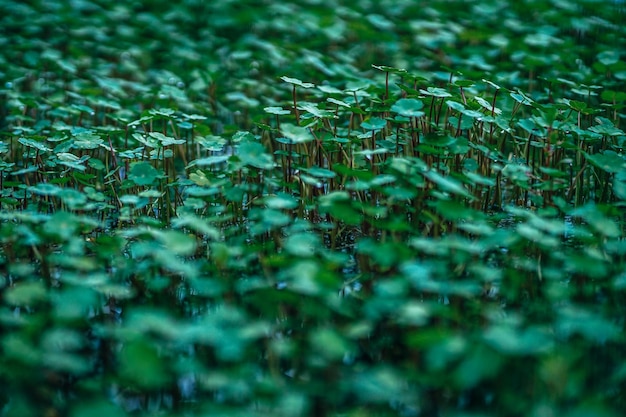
(312, 208)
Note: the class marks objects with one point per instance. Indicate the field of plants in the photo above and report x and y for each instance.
(312, 208)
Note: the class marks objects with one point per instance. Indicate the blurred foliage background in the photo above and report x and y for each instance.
(148, 268)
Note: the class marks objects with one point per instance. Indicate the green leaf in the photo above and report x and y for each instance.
(592, 326)
(34, 144)
(276, 110)
(177, 242)
(302, 244)
(480, 364)
(521, 98)
(608, 57)
(513, 341)
(143, 173)
(328, 343)
(96, 408)
(296, 134)
(210, 160)
(619, 188)
(454, 105)
(338, 102)
(165, 140)
(608, 161)
(197, 224)
(297, 82)
(254, 154)
(313, 109)
(25, 294)
(62, 225)
(448, 184)
(487, 105)
(140, 363)
(436, 92)
(374, 123)
(320, 172)
(87, 140)
(337, 203)
(281, 201)
(408, 107)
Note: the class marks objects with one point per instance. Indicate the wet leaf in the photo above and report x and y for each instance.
(141, 365)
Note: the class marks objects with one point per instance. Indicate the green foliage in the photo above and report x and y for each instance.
(233, 208)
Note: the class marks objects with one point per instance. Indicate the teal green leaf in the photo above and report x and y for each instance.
(297, 82)
(34, 144)
(143, 173)
(296, 134)
(608, 161)
(26, 294)
(408, 107)
(513, 341)
(374, 123)
(140, 364)
(276, 110)
(178, 242)
(62, 225)
(254, 154)
(448, 184)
